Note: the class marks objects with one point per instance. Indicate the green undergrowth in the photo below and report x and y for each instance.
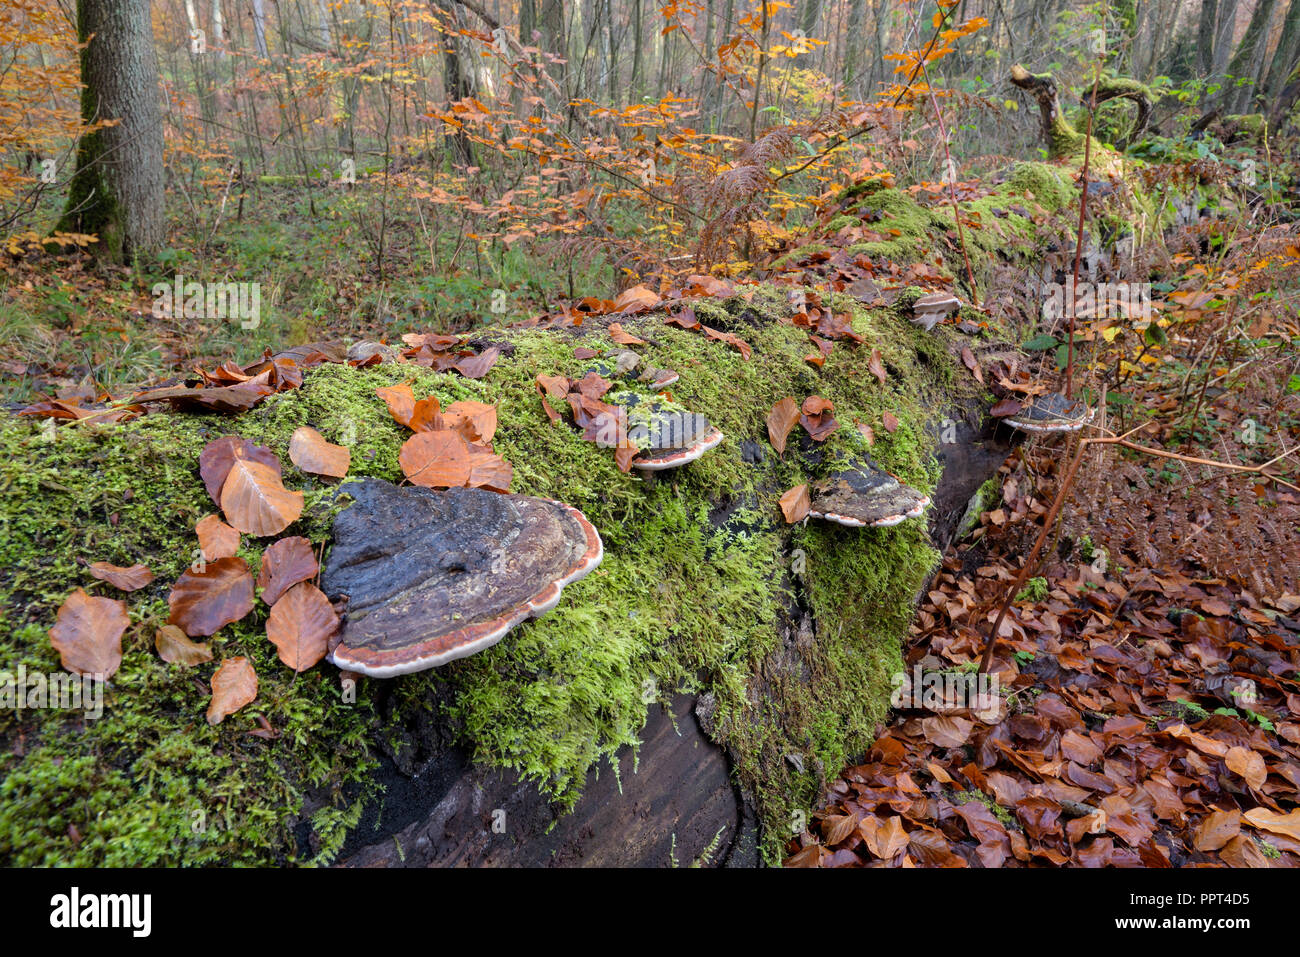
(794, 631)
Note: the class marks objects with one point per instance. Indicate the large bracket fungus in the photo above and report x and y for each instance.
(432, 576)
(1052, 412)
(865, 496)
(667, 435)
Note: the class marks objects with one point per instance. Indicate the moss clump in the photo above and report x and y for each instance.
(1049, 184)
(700, 590)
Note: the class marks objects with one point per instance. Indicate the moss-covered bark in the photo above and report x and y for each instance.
(699, 590)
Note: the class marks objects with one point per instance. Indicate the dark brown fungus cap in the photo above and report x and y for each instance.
(432, 576)
(863, 496)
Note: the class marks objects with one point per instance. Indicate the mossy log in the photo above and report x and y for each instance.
(716, 648)
(1062, 139)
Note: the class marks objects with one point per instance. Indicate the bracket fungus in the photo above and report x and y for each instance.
(865, 496)
(1052, 412)
(626, 364)
(432, 576)
(667, 435)
(931, 309)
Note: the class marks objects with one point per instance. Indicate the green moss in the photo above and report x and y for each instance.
(1050, 184)
(698, 591)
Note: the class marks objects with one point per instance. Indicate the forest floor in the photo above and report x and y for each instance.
(1148, 705)
(1146, 711)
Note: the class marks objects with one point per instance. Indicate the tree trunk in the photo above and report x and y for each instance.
(117, 189)
(1286, 56)
(1245, 65)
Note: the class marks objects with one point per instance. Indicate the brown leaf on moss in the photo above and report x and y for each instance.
(477, 421)
(284, 564)
(216, 538)
(202, 602)
(310, 452)
(889, 421)
(88, 634)
(795, 504)
(124, 579)
(175, 647)
(219, 454)
(623, 338)
(445, 460)
(877, 366)
(256, 502)
(234, 685)
(782, 418)
(400, 401)
(301, 625)
(817, 419)
(476, 367)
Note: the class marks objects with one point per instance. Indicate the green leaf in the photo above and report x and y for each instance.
(1041, 342)
(1154, 334)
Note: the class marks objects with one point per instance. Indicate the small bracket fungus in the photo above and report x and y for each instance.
(667, 435)
(432, 576)
(626, 364)
(929, 310)
(1052, 412)
(865, 495)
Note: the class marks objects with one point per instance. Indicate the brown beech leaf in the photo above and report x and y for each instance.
(219, 454)
(968, 358)
(88, 634)
(255, 502)
(782, 418)
(400, 402)
(636, 299)
(817, 419)
(445, 460)
(175, 647)
(884, 838)
(476, 367)
(1218, 828)
(234, 685)
(216, 538)
(1248, 764)
(477, 421)
(622, 338)
(877, 366)
(889, 421)
(1004, 408)
(284, 564)
(124, 579)
(795, 504)
(204, 602)
(1287, 824)
(301, 624)
(310, 452)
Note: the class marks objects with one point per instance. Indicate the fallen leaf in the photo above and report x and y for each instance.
(400, 401)
(124, 579)
(476, 367)
(623, 338)
(817, 419)
(876, 365)
(310, 452)
(202, 602)
(968, 358)
(285, 563)
(886, 838)
(175, 647)
(780, 421)
(889, 421)
(636, 299)
(255, 502)
(219, 454)
(1004, 408)
(300, 626)
(795, 504)
(216, 538)
(234, 685)
(446, 460)
(477, 421)
(1218, 828)
(88, 634)
(1266, 820)
(1248, 764)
